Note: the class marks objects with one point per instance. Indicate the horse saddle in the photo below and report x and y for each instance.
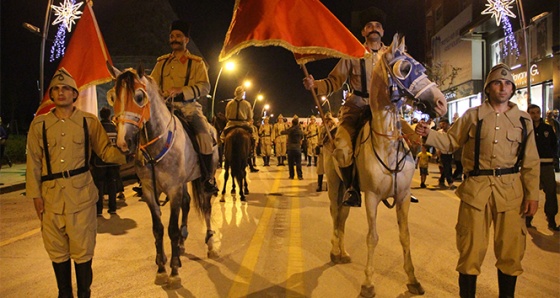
(188, 128)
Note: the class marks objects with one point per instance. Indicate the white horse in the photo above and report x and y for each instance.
(169, 163)
(384, 163)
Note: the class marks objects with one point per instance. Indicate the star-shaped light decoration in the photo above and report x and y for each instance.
(499, 9)
(67, 13)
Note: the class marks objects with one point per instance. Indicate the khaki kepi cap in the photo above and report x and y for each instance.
(63, 77)
(498, 72)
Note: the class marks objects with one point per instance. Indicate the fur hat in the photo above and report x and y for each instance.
(182, 26)
(498, 72)
(63, 77)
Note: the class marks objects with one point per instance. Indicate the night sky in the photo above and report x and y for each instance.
(273, 71)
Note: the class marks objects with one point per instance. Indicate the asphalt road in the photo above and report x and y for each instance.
(275, 245)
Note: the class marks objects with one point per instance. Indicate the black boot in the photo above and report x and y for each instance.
(264, 161)
(282, 159)
(84, 277)
(352, 196)
(252, 166)
(308, 161)
(319, 183)
(268, 161)
(315, 160)
(63, 273)
(506, 284)
(206, 172)
(467, 285)
(552, 224)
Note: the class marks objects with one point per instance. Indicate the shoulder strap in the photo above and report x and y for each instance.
(46, 148)
(521, 152)
(161, 74)
(476, 167)
(86, 142)
(363, 75)
(188, 72)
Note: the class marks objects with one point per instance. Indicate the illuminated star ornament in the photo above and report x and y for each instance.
(67, 13)
(500, 9)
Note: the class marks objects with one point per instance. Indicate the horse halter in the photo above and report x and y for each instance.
(132, 104)
(414, 73)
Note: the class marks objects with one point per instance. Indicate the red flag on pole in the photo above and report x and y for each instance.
(85, 57)
(305, 27)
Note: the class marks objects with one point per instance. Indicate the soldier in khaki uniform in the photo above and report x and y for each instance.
(358, 73)
(280, 140)
(265, 134)
(255, 142)
(502, 186)
(312, 135)
(329, 124)
(239, 113)
(184, 77)
(59, 146)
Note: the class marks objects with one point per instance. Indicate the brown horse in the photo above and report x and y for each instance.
(237, 147)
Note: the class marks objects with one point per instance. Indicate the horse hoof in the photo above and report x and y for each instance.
(232, 192)
(161, 279)
(243, 199)
(415, 289)
(338, 259)
(174, 282)
(246, 191)
(368, 292)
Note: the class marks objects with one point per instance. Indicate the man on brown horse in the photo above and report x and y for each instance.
(358, 73)
(239, 113)
(184, 77)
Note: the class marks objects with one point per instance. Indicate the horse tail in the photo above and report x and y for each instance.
(202, 200)
(237, 151)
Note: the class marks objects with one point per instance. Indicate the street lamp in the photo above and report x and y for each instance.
(265, 108)
(326, 100)
(258, 98)
(229, 66)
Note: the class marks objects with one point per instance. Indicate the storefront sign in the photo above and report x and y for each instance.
(540, 72)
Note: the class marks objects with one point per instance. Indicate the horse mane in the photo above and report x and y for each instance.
(126, 78)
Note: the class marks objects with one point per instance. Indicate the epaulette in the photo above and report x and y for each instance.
(163, 57)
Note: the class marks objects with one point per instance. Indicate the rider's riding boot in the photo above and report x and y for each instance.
(315, 160)
(506, 284)
(467, 285)
(206, 172)
(84, 277)
(352, 196)
(319, 183)
(63, 273)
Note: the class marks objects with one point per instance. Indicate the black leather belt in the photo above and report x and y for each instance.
(65, 174)
(361, 94)
(494, 172)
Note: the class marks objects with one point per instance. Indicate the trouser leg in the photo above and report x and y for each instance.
(63, 273)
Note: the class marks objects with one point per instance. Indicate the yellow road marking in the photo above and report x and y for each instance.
(20, 237)
(242, 281)
(294, 280)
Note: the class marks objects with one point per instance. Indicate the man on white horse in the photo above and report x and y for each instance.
(184, 77)
(358, 73)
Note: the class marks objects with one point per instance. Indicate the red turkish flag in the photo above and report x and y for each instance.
(85, 58)
(305, 27)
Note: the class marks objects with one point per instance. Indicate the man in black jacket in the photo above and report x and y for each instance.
(547, 147)
(295, 137)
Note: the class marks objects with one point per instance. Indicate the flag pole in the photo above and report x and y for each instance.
(306, 73)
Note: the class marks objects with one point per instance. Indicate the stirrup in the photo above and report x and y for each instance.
(352, 198)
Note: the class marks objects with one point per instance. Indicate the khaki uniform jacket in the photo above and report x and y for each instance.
(349, 69)
(239, 113)
(174, 75)
(265, 133)
(500, 139)
(277, 132)
(312, 133)
(66, 141)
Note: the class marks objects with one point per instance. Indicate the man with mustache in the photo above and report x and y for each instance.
(184, 77)
(358, 73)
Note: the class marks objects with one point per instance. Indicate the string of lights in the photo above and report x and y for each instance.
(501, 11)
(66, 15)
